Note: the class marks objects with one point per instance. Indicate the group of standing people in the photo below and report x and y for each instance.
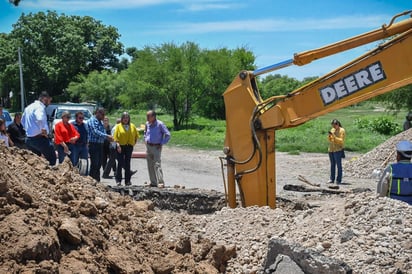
(120, 141)
(79, 140)
(70, 139)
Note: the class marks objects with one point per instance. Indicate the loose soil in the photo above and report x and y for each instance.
(52, 220)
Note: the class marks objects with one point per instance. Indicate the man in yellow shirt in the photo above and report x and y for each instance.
(125, 136)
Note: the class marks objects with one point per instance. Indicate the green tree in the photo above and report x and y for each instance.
(141, 88)
(101, 87)
(167, 76)
(219, 68)
(278, 85)
(9, 67)
(398, 99)
(56, 48)
(182, 80)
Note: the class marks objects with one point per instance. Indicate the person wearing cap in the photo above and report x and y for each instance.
(396, 179)
(336, 139)
(65, 135)
(34, 120)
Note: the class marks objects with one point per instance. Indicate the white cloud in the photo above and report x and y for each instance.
(211, 5)
(84, 5)
(272, 25)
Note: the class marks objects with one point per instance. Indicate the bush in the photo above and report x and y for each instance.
(384, 125)
(363, 123)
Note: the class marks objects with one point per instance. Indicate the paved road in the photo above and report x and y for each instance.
(184, 167)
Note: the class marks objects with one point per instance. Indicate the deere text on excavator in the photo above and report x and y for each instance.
(251, 122)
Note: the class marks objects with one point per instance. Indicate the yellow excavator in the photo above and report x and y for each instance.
(251, 122)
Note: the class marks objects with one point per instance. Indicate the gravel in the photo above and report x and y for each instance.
(376, 159)
(368, 233)
(371, 235)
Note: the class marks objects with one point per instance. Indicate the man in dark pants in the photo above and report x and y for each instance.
(111, 163)
(156, 135)
(97, 135)
(34, 120)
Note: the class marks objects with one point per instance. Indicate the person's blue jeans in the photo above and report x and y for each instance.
(62, 154)
(42, 146)
(79, 151)
(96, 154)
(335, 159)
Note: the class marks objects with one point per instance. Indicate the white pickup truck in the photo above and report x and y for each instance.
(55, 115)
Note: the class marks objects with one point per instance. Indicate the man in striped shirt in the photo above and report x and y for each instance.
(96, 135)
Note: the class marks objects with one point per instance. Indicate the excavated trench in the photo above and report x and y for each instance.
(193, 201)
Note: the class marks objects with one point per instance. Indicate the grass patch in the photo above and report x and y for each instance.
(206, 134)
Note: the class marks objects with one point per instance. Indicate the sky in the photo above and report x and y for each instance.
(273, 30)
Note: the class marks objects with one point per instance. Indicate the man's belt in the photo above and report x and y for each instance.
(151, 144)
(36, 136)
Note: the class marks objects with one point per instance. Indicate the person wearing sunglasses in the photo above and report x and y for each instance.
(79, 148)
(65, 135)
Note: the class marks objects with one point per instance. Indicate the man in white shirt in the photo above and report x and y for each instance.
(34, 120)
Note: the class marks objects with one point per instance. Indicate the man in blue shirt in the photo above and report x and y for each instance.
(97, 134)
(396, 179)
(156, 135)
(34, 120)
(80, 149)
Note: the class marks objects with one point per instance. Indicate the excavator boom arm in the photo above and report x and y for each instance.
(304, 58)
(384, 32)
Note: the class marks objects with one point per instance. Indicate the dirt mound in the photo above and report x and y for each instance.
(54, 221)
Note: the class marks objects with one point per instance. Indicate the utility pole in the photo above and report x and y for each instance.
(21, 81)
